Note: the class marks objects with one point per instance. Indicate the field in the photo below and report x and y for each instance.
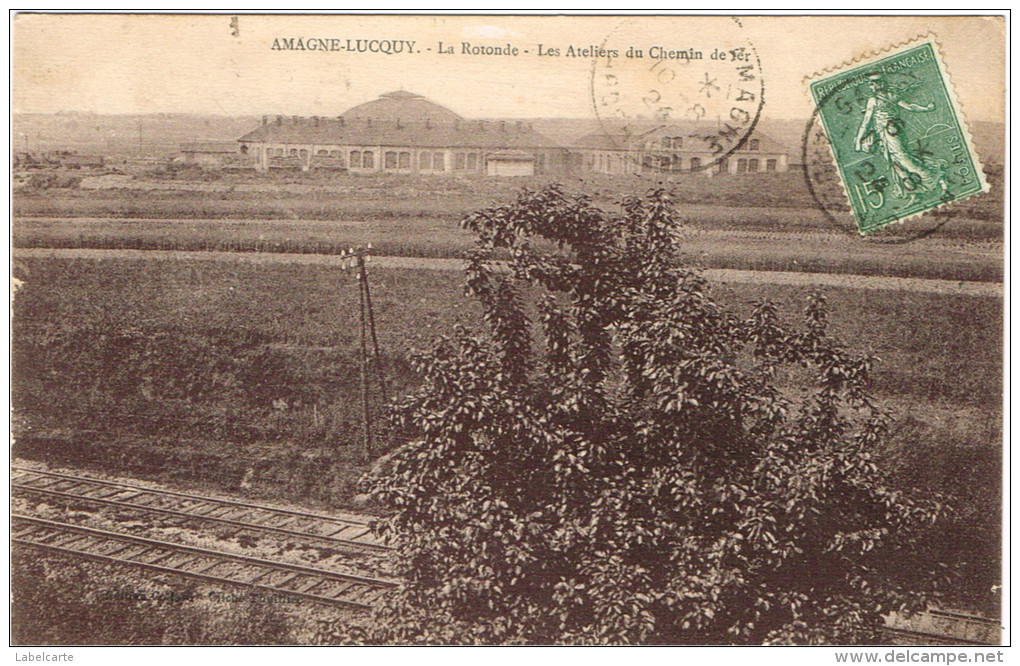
(180, 191)
(768, 222)
(243, 378)
(777, 201)
(818, 251)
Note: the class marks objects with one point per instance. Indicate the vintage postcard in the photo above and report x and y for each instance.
(494, 329)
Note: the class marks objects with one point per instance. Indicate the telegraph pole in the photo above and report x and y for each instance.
(356, 259)
(371, 321)
(364, 362)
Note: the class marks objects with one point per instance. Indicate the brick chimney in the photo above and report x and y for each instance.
(265, 120)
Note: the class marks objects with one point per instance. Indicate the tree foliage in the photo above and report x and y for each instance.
(622, 459)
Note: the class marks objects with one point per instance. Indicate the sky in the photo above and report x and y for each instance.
(207, 64)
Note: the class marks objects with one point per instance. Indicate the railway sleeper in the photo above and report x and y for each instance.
(107, 547)
(136, 552)
(103, 492)
(65, 540)
(302, 583)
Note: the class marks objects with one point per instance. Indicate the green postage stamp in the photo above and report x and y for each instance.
(897, 135)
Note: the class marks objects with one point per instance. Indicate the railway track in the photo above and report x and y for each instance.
(934, 627)
(347, 532)
(291, 580)
(940, 627)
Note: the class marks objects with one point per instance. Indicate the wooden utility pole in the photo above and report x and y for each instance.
(380, 376)
(356, 259)
(364, 359)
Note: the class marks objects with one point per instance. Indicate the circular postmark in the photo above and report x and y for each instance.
(827, 186)
(671, 101)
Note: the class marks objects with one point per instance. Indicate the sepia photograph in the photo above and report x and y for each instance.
(504, 329)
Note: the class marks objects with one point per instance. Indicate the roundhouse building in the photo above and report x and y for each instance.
(401, 132)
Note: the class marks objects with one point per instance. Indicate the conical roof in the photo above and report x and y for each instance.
(403, 106)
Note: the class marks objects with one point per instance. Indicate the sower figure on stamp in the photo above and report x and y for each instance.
(882, 126)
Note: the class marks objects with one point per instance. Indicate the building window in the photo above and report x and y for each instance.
(472, 161)
(293, 152)
(540, 162)
(678, 142)
(677, 163)
(754, 144)
(438, 162)
(404, 160)
(356, 159)
(244, 149)
(368, 159)
(695, 163)
(666, 142)
(323, 153)
(304, 155)
(334, 153)
(459, 160)
(770, 165)
(424, 161)
(752, 165)
(390, 160)
(742, 166)
(724, 165)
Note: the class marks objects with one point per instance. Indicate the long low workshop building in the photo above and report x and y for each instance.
(400, 132)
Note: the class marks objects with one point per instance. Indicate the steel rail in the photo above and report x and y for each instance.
(958, 637)
(349, 590)
(913, 632)
(339, 524)
(940, 639)
(958, 615)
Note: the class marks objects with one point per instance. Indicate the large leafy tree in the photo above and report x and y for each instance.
(622, 459)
